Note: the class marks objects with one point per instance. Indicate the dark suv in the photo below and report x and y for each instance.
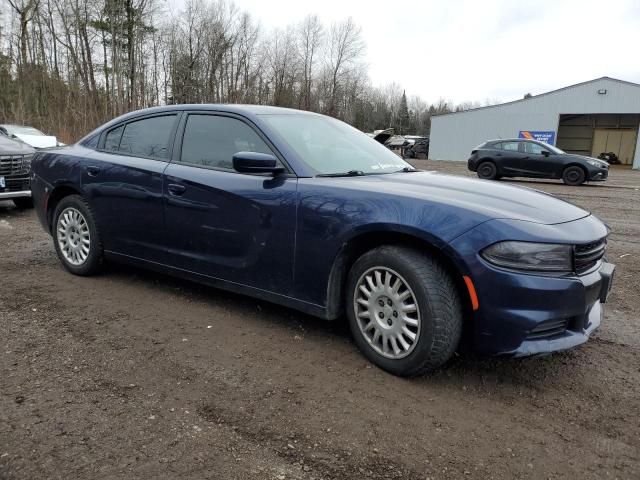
(15, 167)
(530, 158)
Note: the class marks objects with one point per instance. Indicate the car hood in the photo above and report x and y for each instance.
(9, 146)
(38, 141)
(584, 158)
(490, 200)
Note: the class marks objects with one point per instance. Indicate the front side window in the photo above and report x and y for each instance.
(211, 141)
(148, 137)
(534, 148)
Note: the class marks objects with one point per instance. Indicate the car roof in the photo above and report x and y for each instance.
(497, 140)
(238, 109)
(241, 109)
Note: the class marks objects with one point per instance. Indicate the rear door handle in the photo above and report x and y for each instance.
(176, 189)
(93, 170)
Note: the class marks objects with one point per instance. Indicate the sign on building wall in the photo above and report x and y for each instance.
(546, 137)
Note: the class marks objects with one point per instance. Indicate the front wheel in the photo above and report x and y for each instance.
(404, 310)
(487, 171)
(573, 176)
(76, 237)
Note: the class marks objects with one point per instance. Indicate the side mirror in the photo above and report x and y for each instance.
(254, 162)
(546, 153)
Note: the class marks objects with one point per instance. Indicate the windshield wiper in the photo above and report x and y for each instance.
(407, 170)
(350, 173)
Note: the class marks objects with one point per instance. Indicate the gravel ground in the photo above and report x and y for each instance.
(135, 375)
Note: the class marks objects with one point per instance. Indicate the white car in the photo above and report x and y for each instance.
(30, 136)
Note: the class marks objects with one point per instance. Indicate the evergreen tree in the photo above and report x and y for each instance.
(403, 116)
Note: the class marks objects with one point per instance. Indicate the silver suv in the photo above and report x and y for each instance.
(15, 168)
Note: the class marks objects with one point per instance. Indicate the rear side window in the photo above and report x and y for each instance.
(211, 141)
(509, 146)
(112, 139)
(148, 137)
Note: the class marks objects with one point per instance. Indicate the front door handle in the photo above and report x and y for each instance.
(176, 189)
(93, 170)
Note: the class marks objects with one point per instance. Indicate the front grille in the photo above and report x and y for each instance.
(16, 184)
(11, 165)
(586, 256)
(549, 328)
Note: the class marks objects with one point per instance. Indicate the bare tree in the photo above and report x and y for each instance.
(68, 65)
(310, 36)
(345, 49)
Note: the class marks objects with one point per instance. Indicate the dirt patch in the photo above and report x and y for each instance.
(135, 375)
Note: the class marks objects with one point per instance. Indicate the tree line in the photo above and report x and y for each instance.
(66, 66)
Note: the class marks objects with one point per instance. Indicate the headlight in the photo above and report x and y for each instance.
(596, 163)
(539, 257)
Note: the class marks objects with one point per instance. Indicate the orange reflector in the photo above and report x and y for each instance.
(472, 293)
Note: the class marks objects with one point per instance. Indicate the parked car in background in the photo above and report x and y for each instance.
(382, 136)
(305, 211)
(533, 159)
(29, 135)
(15, 168)
(418, 148)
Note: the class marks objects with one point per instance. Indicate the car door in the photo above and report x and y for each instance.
(540, 161)
(508, 158)
(233, 226)
(123, 183)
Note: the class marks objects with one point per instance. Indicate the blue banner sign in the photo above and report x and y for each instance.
(546, 137)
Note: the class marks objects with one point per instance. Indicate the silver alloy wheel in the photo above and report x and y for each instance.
(74, 238)
(387, 312)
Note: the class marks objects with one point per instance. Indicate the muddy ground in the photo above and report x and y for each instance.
(135, 375)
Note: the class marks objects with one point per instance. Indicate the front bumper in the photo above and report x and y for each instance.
(18, 194)
(580, 327)
(524, 314)
(16, 186)
(599, 175)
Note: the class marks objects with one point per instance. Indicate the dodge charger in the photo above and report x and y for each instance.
(305, 211)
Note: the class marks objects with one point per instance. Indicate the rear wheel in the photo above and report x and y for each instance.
(23, 202)
(487, 170)
(404, 310)
(75, 236)
(573, 176)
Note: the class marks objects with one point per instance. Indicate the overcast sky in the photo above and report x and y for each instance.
(473, 50)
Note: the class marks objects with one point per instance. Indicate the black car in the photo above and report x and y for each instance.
(15, 166)
(529, 158)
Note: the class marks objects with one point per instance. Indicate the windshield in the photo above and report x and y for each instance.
(330, 146)
(20, 130)
(555, 150)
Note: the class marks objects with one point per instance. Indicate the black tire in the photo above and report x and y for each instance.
(487, 170)
(92, 264)
(573, 176)
(23, 202)
(439, 310)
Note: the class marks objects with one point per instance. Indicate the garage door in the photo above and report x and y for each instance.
(621, 142)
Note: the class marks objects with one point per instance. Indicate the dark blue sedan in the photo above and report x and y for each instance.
(305, 211)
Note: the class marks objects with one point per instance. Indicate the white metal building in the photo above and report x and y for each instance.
(589, 118)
